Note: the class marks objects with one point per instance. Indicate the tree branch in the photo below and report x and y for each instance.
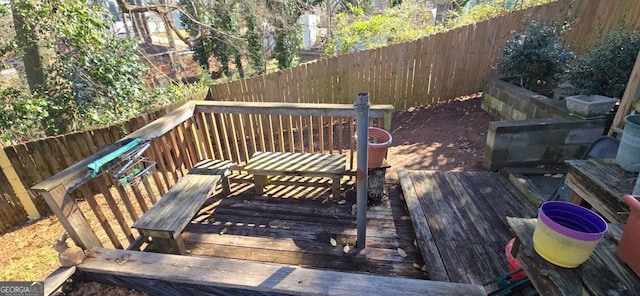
(161, 9)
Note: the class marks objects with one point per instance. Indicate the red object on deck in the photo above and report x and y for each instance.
(629, 245)
(513, 262)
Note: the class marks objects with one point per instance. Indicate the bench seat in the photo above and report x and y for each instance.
(166, 219)
(264, 164)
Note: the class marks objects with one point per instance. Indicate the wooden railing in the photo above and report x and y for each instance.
(195, 131)
(38, 160)
(432, 69)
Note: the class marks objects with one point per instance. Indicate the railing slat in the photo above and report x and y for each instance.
(161, 164)
(250, 118)
(102, 184)
(240, 118)
(139, 198)
(235, 138)
(97, 210)
(127, 202)
(185, 142)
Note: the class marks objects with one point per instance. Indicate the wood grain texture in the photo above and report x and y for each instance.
(297, 231)
(300, 164)
(460, 221)
(260, 276)
(57, 278)
(174, 210)
(601, 183)
(435, 265)
(602, 274)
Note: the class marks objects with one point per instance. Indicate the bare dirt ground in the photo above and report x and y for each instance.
(447, 136)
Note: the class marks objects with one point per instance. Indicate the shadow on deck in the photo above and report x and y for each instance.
(297, 229)
(246, 244)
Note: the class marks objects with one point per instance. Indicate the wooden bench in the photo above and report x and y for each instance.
(263, 164)
(187, 274)
(165, 220)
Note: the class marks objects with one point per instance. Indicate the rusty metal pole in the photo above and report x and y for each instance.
(362, 110)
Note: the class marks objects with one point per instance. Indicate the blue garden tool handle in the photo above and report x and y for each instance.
(96, 165)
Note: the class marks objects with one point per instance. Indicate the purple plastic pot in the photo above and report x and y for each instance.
(572, 220)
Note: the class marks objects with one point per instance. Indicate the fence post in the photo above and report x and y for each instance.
(17, 186)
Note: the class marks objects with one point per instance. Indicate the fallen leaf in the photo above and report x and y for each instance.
(402, 253)
(401, 197)
(415, 242)
(405, 218)
(333, 242)
(558, 176)
(341, 202)
(417, 266)
(346, 249)
(424, 268)
(547, 175)
(224, 230)
(325, 200)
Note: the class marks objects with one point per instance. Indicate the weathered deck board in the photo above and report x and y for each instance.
(262, 277)
(168, 217)
(298, 232)
(602, 274)
(460, 221)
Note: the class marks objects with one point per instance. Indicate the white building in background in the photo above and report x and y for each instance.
(309, 23)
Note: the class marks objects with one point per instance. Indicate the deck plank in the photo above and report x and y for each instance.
(465, 214)
(264, 277)
(297, 231)
(427, 244)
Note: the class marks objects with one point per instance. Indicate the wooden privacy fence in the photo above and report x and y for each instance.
(38, 160)
(197, 130)
(436, 68)
(425, 71)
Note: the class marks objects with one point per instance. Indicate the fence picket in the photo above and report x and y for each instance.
(433, 68)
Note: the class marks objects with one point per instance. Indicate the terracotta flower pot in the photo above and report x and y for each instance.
(629, 246)
(379, 141)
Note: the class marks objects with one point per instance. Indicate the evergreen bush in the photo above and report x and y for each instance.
(605, 70)
(535, 59)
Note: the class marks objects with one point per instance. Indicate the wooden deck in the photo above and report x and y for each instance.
(460, 221)
(298, 231)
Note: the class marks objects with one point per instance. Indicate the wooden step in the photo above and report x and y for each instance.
(263, 277)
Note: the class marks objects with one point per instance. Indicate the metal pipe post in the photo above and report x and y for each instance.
(362, 110)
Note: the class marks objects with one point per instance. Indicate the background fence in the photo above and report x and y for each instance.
(429, 70)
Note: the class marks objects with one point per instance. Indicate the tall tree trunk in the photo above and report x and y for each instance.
(166, 18)
(140, 24)
(37, 54)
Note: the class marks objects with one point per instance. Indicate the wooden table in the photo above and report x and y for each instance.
(602, 274)
(263, 164)
(601, 184)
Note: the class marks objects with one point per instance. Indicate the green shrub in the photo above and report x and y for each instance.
(22, 115)
(535, 59)
(605, 70)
